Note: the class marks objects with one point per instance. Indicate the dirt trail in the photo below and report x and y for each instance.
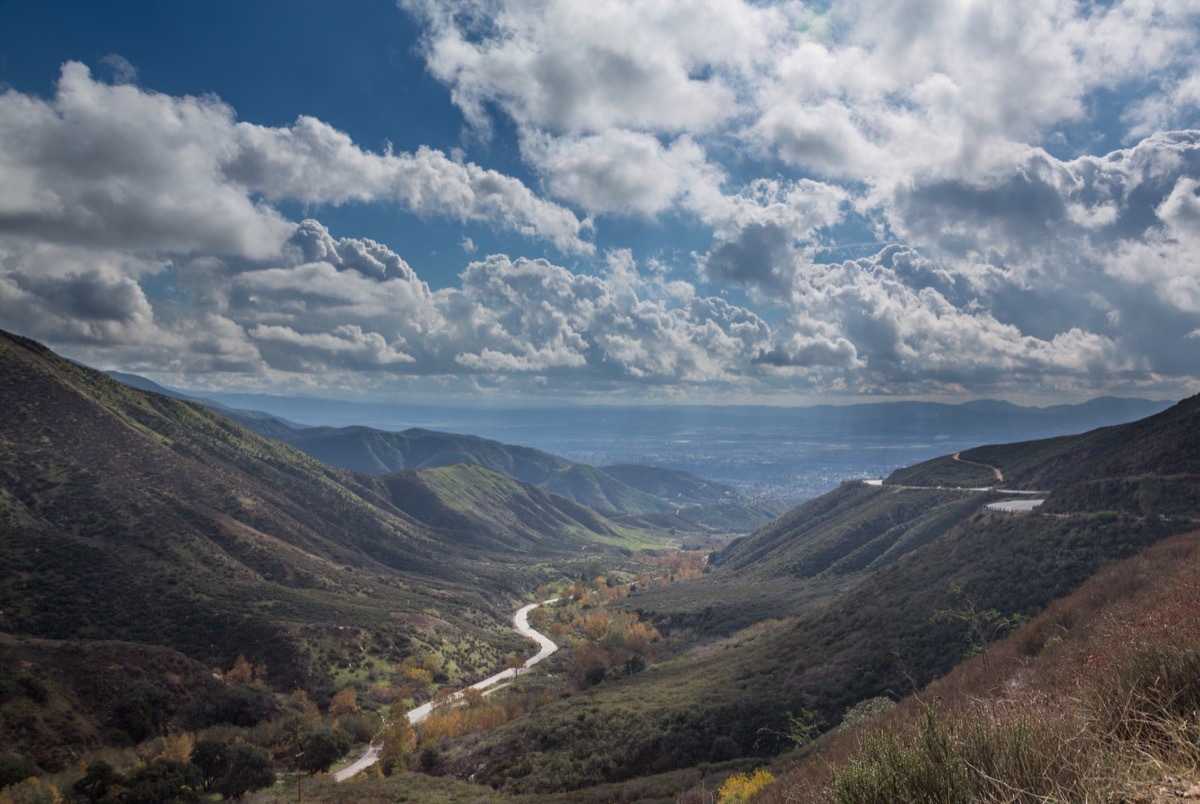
(995, 470)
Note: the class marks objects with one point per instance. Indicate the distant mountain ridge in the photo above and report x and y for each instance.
(687, 501)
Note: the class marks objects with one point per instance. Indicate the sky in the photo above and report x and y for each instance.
(662, 201)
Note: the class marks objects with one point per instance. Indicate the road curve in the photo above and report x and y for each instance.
(521, 622)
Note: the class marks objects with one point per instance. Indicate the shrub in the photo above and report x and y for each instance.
(248, 768)
(164, 781)
(142, 710)
(740, 787)
(14, 768)
(983, 755)
(322, 748)
(1150, 697)
(96, 784)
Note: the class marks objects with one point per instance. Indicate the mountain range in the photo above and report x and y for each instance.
(156, 539)
(140, 518)
(663, 498)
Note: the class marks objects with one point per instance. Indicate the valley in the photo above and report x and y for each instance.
(173, 578)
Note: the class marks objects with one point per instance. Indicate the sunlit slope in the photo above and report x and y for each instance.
(617, 490)
(481, 510)
(1165, 446)
(851, 529)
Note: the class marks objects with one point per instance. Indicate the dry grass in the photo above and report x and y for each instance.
(1096, 700)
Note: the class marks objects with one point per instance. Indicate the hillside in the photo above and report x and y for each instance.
(1093, 700)
(1166, 444)
(649, 496)
(632, 491)
(846, 598)
(135, 517)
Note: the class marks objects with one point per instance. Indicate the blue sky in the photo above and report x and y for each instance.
(634, 200)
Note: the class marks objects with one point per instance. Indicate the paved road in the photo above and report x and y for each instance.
(418, 715)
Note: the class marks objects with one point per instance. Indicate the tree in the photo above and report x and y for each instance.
(345, 702)
(983, 626)
(212, 758)
(164, 781)
(177, 746)
(100, 783)
(248, 768)
(143, 709)
(398, 742)
(322, 748)
(242, 671)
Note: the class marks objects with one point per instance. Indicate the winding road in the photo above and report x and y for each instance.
(521, 621)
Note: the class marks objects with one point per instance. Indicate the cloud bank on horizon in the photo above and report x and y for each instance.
(949, 198)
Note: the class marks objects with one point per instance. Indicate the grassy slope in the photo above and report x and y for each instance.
(489, 511)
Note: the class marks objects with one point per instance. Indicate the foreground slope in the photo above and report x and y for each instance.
(1093, 700)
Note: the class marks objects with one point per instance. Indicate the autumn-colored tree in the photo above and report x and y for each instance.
(300, 702)
(177, 747)
(242, 671)
(345, 702)
(398, 743)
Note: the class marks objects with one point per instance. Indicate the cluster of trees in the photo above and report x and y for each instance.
(473, 713)
(231, 769)
(601, 640)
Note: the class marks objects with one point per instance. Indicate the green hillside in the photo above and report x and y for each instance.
(483, 510)
(638, 491)
(134, 517)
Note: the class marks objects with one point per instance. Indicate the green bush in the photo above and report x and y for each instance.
(322, 748)
(142, 711)
(15, 768)
(248, 768)
(164, 781)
